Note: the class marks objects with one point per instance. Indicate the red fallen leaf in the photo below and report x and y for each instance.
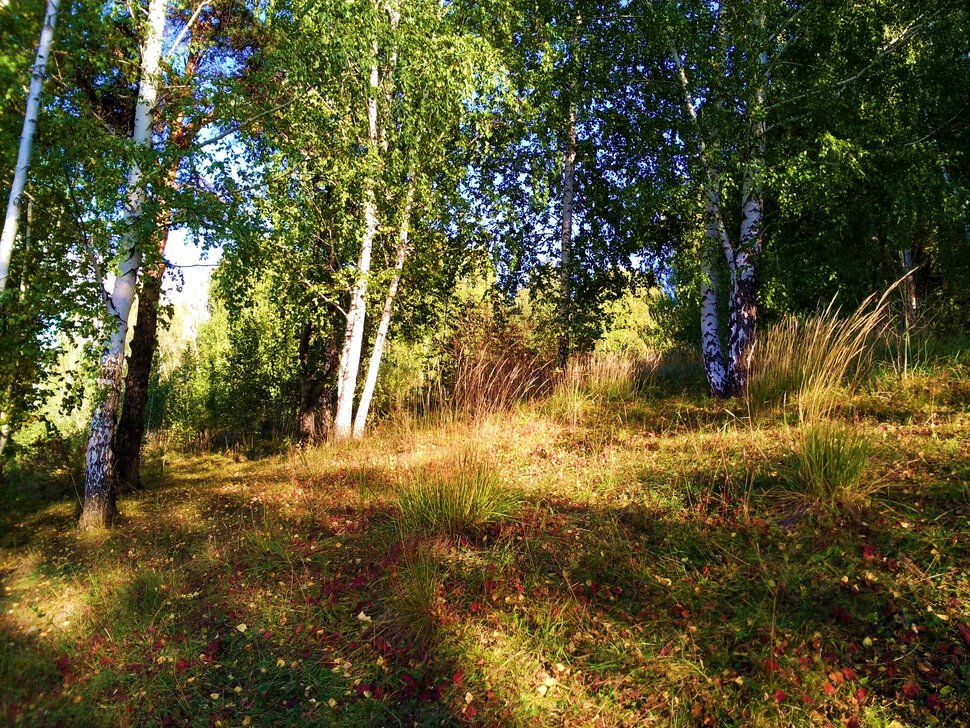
(911, 689)
(780, 695)
(182, 665)
(933, 702)
(805, 662)
(828, 688)
(806, 698)
(861, 694)
(458, 678)
(850, 674)
(837, 677)
(470, 711)
(964, 632)
(868, 552)
(474, 607)
(213, 648)
(705, 570)
(771, 665)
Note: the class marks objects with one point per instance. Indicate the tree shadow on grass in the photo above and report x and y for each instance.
(293, 594)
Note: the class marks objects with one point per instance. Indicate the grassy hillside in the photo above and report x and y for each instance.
(618, 553)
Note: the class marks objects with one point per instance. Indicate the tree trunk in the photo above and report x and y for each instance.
(354, 335)
(307, 416)
(315, 416)
(131, 426)
(711, 347)
(566, 240)
(12, 219)
(99, 486)
(743, 311)
(715, 233)
(360, 422)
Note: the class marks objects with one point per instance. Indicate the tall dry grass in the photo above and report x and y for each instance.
(812, 362)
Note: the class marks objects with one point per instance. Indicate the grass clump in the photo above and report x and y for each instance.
(827, 471)
(459, 498)
(417, 597)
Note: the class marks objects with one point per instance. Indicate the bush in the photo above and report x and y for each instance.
(461, 498)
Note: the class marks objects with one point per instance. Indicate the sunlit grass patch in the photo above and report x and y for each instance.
(460, 497)
(416, 604)
(827, 471)
(809, 362)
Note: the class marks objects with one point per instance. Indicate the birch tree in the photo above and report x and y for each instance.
(99, 485)
(11, 221)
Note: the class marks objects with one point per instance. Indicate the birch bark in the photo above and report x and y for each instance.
(12, 219)
(354, 334)
(715, 234)
(743, 308)
(99, 483)
(360, 422)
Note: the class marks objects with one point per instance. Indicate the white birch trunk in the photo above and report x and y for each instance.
(354, 333)
(99, 490)
(12, 219)
(711, 347)
(363, 408)
(743, 313)
(715, 233)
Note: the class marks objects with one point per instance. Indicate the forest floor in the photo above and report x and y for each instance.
(652, 573)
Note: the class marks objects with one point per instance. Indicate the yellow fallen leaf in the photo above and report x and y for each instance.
(242, 627)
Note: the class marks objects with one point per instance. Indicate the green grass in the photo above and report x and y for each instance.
(459, 497)
(626, 566)
(826, 473)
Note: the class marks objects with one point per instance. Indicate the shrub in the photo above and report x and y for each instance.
(460, 498)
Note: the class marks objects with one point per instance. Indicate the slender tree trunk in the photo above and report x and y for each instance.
(743, 312)
(12, 219)
(566, 239)
(360, 422)
(354, 335)
(131, 425)
(711, 347)
(307, 416)
(715, 233)
(99, 486)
